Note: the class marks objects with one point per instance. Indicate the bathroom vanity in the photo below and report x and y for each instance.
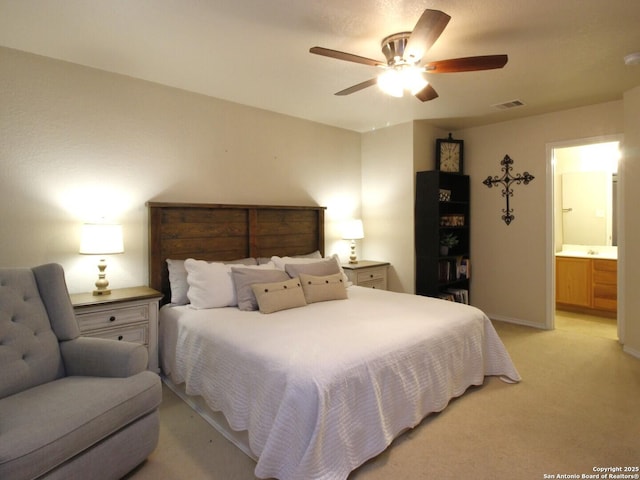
(586, 281)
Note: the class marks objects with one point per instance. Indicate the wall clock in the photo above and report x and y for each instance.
(449, 155)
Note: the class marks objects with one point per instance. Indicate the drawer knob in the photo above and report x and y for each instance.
(120, 337)
(112, 318)
(371, 275)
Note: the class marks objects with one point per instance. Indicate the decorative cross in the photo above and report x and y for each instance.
(507, 179)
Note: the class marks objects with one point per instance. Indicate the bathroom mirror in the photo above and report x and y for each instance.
(587, 208)
(586, 177)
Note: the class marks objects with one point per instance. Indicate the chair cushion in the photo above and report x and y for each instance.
(55, 296)
(113, 457)
(46, 425)
(29, 352)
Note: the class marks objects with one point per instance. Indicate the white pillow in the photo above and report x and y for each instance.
(178, 277)
(210, 284)
(178, 281)
(315, 254)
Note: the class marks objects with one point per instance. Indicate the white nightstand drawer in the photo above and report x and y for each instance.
(367, 273)
(371, 276)
(135, 333)
(114, 316)
(379, 283)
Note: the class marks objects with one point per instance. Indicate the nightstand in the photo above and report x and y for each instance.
(129, 314)
(367, 273)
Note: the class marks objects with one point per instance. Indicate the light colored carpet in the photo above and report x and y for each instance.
(577, 407)
(587, 324)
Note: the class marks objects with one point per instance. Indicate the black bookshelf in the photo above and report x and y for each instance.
(441, 209)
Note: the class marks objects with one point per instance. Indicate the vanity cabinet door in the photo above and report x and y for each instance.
(605, 285)
(573, 281)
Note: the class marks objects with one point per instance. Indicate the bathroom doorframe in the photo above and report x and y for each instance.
(550, 240)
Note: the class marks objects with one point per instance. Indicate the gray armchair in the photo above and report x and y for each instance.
(71, 407)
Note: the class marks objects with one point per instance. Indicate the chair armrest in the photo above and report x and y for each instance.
(99, 357)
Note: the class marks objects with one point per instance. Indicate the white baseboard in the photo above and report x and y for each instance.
(631, 351)
(517, 321)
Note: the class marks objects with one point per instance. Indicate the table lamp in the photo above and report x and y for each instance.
(101, 239)
(353, 230)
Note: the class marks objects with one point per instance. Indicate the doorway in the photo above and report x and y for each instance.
(580, 228)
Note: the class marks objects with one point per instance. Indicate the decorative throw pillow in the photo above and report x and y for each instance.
(243, 278)
(322, 267)
(280, 262)
(273, 297)
(306, 265)
(321, 289)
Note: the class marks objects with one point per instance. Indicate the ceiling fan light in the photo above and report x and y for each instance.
(413, 80)
(394, 81)
(390, 82)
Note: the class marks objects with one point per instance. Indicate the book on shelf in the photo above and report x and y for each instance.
(460, 295)
(464, 268)
(444, 271)
(452, 269)
(446, 296)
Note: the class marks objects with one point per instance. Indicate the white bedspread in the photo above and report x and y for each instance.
(323, 388)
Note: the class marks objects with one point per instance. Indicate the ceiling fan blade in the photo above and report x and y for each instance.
(428, 29)
(358, 87)
(427, 93)
(349, 57)
(467, 64)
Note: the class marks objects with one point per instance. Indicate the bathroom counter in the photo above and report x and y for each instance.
(604, 252)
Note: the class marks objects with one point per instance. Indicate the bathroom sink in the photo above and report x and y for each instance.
(606, 254)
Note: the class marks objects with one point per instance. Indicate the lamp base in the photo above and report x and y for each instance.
(352, 258)
(102, 283)
(102, 292)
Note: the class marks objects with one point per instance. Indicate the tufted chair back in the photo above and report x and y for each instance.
(35, 314)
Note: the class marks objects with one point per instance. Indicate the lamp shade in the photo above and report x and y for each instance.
(352, 230)
(101, 239)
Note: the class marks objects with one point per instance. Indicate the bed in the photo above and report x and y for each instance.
(313, 391)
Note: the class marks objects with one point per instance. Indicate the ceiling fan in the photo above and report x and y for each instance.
(404, 68)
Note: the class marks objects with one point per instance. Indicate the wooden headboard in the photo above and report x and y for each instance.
(217, 232)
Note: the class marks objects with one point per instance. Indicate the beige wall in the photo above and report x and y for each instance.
(629, 175)
(510, 263)
(390, 158)
(79, 143)
(386, 198)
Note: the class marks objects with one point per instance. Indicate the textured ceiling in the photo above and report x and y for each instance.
(562, 53)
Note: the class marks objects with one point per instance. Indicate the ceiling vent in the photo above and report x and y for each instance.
(508, 105)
